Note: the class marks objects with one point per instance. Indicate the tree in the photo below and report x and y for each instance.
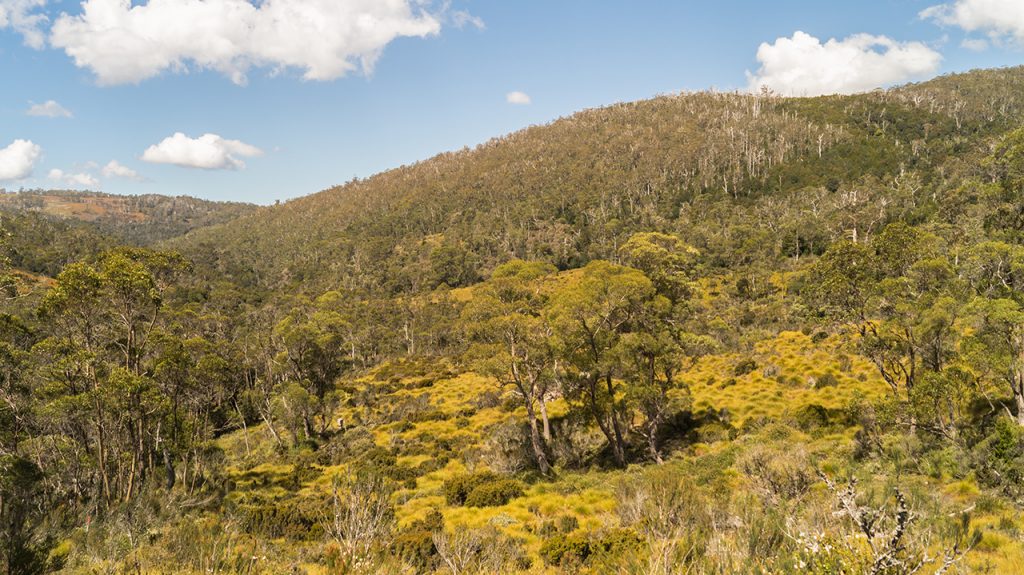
(665, 259)
(590, 316)
(513, 342)
(1000, 328)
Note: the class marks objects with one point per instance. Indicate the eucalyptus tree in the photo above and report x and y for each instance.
(512, 342)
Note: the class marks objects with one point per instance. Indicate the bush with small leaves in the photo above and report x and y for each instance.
(495, 493)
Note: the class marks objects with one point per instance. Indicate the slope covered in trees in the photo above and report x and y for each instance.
(145, 219)
(704, 333)
(575, 189)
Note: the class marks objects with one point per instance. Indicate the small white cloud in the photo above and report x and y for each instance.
(208, 152)
(127, 42)
(975, 44)
(115, 169)
(518, 98)
(998, 18)
(76, 180)
(803, 66)
(24, 18)
(82, 181)
(461, 19)
(48, 109)
(18, 160)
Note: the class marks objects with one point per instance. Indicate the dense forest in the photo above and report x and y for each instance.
(704, 333)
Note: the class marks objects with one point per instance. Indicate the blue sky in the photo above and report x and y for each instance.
(299, 123)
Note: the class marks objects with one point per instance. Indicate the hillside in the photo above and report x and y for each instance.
(703, 333)
(139, 220)
(575, 189)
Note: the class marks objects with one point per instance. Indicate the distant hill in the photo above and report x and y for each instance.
(140, 220)
(574, 189)
(40, 245)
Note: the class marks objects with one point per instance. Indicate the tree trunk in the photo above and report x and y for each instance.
(535, 441)
(609, 430)
(652, 444)
(1018, 396)
(620, 443)
(544, 417)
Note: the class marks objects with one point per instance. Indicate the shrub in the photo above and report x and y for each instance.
(608, 549)
(482, 489)
(827, 380)
(999, 459)
(811, 417)
(458, 487)
(494, 494)
(744, 367)
(562, 549)
(568, 524)
(415, 546)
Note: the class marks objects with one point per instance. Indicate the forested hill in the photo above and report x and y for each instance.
(138, 220)
(575, 189)
(704, 333)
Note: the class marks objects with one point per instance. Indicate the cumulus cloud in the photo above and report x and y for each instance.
(997, 18)
(48, 109)
(23, 16)
(18, 160)
(518, 98)
(326, 39)
(78, 180)
(803, 66)
(208, 152)
(115, 169)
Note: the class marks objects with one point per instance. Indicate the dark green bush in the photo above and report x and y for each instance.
(744, 367)
(607, 549)
(483, 489)
(999, 458)
(458, 487)
(415, 547)
(827, 380)
(565, 549)
(811, 417)
(494, 494)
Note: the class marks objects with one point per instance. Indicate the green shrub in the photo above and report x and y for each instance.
(415, 547)
(565, 549)
(999, 458)
(812, 417)
(483, 489)
(744, 367)
(568, 523)
(494, 494)
(458, 487)
(607, 549)
(827, 380)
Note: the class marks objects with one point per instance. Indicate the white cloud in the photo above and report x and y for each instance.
(461, 18)
(803, 66)
(518, 98)
(24, 18)
(48, 109)
(997, 18)
(77, 180)
(115, 169)
(209, 152)
(975, 44)
(326, 39)
(18, 160)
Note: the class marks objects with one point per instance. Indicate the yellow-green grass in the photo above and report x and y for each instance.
(799, 364)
